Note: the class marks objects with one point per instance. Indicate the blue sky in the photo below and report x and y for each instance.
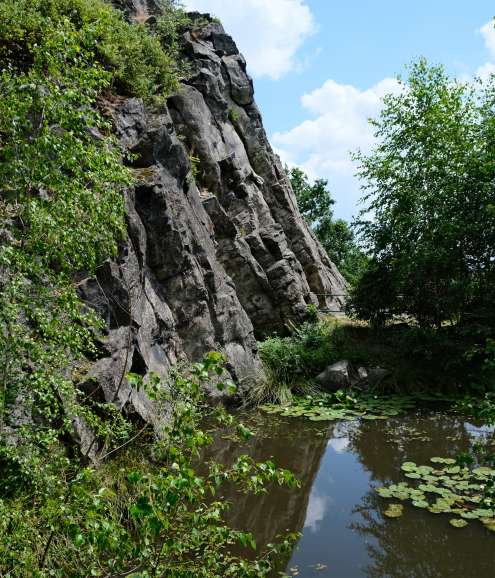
(320, 68)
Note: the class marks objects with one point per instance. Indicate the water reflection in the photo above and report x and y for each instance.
(344, 532)
(422, 545)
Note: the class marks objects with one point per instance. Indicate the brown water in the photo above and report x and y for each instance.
(340, 516)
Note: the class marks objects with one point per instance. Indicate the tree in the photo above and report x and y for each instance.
(429, 186)
(337, 237)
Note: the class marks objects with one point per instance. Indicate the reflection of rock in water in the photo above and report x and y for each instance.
(292, 445)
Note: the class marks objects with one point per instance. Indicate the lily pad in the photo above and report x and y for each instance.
(457, 523)
(394, 511)
(484, 471)
(413, 475)
(420, 504)
(442, 461)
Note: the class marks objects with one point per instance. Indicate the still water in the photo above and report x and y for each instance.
(337, 511)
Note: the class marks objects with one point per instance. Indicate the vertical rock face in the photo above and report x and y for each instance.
(217, 252)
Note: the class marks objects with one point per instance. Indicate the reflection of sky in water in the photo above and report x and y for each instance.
(477, 432)
(327, 539)
(340, 445)
(317, 506)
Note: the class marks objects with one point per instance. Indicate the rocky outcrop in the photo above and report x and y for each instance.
(217, 253)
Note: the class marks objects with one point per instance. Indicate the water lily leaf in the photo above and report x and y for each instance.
(469, 515)
(483, 471)
(427, 488)
(458, 523)
(490, 526)
(394, 511)
(384, 492)
(270, 408)
(420, 504)
(484, 513)
(443, 461)
(409, 466)
(413, 475)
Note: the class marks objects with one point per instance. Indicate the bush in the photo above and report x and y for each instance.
(291, 361)
(137, 60)
(147, 508)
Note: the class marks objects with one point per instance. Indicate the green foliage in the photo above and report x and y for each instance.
(290, 361)
(62, 213)
(233, 115)
(61, 204)
(429, 189)
(195, 168)
(481, 408)
(417, 359)
(336, 236)
(151, 511)
(138, 62)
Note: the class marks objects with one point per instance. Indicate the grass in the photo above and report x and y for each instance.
(417, 359)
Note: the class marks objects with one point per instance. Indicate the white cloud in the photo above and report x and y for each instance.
(486, 70)
(315, 513)
(322, 145)
(268, 32)
(488, 33)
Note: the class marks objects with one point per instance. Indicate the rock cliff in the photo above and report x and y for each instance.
(217, 253)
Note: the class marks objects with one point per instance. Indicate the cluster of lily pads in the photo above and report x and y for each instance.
(445, 487)
(342, 406)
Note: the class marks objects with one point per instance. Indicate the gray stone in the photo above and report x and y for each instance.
(340, 375)
(376, 375)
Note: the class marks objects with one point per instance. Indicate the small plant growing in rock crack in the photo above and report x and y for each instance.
(233, 115)
(195, 169)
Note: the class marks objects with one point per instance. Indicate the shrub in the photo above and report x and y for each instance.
(291, 361)
(146, 510)
(138, 62)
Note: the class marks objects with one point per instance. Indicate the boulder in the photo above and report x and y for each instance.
(340, 375)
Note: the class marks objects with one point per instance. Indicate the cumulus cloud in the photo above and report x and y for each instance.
(488, 33)
(486, 70)
(315, 513)
(268, 32)
(322, 144)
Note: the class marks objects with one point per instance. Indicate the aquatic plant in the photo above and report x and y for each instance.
(343, 406)
(445, 487)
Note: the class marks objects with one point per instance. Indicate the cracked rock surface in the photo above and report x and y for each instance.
(217, 253)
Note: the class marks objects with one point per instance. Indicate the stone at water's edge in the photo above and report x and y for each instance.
(209, 262)
(343, 374)
(340, 375)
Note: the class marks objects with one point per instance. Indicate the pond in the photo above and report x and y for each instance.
(345, 533)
